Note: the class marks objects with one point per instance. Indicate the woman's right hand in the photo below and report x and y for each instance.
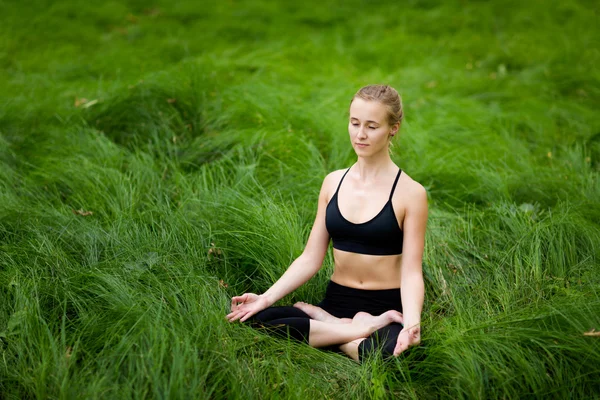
(246, 305)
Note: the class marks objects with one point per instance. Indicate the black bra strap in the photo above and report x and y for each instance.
(395, 182)
(340, 184)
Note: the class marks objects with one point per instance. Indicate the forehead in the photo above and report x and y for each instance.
(365, 110)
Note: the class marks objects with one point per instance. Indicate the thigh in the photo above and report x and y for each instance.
(274, 313)
(382, 340)
(283, 321)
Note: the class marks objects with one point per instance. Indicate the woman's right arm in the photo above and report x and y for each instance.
(299, 272)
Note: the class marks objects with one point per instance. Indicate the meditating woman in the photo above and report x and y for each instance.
(375, 215)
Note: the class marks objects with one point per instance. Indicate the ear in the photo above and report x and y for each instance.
(395, 128)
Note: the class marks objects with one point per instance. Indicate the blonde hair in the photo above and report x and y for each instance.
(386, 95)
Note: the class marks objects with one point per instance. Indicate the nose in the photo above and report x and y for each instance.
(361, 133)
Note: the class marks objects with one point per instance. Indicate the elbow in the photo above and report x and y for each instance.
(412, 270)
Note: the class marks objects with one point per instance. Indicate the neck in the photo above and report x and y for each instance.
(369, 169)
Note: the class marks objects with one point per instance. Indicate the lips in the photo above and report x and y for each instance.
(361, 144)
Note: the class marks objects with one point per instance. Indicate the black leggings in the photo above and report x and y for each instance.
(342, 302)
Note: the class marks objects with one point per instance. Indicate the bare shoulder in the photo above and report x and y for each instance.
(415, 194)
(336, 175)
(331, 182)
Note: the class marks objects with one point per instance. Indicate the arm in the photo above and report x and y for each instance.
(412, 288)
(299, 272)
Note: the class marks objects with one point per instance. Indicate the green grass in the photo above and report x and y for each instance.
(200, 150)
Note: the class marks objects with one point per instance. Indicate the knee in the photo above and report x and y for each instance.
(261, 316)
(387, 350)
(293, 328)
(370, 347)
(381, 342)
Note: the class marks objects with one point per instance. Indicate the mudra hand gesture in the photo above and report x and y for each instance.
(408, 337)
(246, 305)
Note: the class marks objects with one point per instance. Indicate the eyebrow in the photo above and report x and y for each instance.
(369, 121)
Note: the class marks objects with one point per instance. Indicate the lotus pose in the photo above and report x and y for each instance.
(376, 216)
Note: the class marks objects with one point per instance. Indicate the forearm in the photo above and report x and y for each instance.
(412, 293)
(298, 273)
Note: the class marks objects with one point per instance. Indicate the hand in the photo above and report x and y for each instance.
(409, 336)
(245, 306)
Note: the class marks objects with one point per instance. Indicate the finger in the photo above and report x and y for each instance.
(397, 350)
(400, 347)
(414, 337)
(402, 343)
(242, 314)
(234, 316)
(415, 340)
(248, 315)
(231, 316)
(238, 299)
(239, 315)
(234, 303)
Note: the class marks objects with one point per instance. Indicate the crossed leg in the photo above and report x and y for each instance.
(361, 326)
(321, 329)
(387, 333)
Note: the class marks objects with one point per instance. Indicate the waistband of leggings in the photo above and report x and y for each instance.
(347, 289)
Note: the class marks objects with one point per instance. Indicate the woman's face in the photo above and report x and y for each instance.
(368, 127)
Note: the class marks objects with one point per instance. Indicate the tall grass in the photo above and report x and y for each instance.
(157, 159)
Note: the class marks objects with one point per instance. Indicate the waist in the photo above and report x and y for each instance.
(366, 272)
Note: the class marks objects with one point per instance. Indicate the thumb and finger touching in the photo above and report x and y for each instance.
(243, 307)
(406, 339)
(239, 299)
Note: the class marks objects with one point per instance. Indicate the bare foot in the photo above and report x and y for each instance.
(319, 314)
(375, 322)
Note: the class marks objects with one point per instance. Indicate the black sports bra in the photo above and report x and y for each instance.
(379, 236)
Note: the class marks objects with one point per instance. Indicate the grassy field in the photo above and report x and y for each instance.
(157, 158)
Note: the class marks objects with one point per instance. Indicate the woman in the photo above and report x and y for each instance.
(376, 217)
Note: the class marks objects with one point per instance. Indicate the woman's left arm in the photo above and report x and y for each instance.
(412, 288)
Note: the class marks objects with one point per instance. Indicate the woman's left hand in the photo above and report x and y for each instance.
(409, 336)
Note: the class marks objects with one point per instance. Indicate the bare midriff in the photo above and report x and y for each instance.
(365, 271)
